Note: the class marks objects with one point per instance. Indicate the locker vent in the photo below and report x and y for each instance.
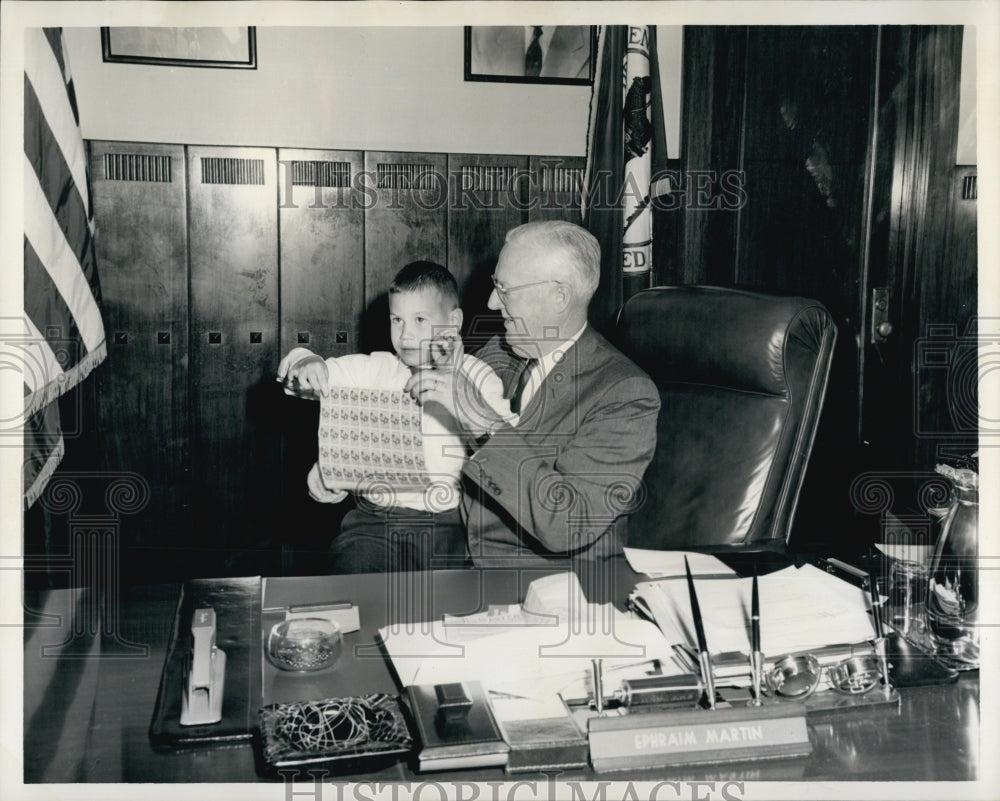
(232, 171)
(969, 189)
(562, 179)
(407, 176)
(321, 173)
(490, 179)
(137, 167)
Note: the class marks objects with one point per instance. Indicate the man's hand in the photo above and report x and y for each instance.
(458, 392)
(446, 350)
(318, 491)
(438, 382)
(307, 376)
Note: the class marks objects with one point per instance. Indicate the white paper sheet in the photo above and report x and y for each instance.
(349, 619)
(509, 709)
(801, 609)
(671, 563)
(907, 552)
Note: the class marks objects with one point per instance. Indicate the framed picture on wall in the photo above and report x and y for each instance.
(563, 54)
(233, 48)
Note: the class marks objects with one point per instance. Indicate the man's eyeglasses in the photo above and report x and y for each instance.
(504, 291)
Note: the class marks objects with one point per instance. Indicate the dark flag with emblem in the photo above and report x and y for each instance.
(62, 335)
(626, 150)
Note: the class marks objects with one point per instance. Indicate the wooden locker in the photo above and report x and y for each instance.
(488, 198)
(233, 233)
(320, 211)
(321, 216)
(140, 215)
(554, 189)
(406, 217)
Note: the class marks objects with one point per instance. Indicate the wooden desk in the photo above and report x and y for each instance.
(87, 708)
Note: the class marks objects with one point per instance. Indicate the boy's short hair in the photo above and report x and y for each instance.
(422, 274)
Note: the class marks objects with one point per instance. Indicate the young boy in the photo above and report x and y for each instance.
(405, 529)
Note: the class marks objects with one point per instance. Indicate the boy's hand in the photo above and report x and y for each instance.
(318, 491)
(446, 350)
(308, 375)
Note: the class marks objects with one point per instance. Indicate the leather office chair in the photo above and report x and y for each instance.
(742, 377)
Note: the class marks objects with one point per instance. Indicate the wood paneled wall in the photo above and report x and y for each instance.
(215, 262)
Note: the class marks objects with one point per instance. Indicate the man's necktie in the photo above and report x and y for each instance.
(533, 55)
(522, 382)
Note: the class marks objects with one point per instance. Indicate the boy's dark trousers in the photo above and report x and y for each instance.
(387, 540)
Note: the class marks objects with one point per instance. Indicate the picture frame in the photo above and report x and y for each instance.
(227, 48)
(496, 53)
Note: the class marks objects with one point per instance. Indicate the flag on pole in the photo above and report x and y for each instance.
(63, 337)
(626, 150)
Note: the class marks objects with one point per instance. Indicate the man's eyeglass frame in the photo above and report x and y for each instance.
(503, 291)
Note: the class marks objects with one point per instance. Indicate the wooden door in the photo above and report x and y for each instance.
(919, 391)
(233, 235)
(141, 406)
(320, 214)
(321, 209)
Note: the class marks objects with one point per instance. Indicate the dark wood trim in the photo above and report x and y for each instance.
(713, 104)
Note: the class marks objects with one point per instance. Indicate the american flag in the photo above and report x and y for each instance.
(626, 148)
(63, 334)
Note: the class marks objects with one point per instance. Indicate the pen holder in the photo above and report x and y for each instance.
(304, 644)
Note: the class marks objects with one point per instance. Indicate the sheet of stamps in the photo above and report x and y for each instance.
(370, 437)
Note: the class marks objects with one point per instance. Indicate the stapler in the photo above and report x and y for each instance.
(205, 670)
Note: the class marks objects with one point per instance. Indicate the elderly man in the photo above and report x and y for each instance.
(557, 480)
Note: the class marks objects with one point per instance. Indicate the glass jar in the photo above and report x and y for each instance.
(953, 590)
(908, 583)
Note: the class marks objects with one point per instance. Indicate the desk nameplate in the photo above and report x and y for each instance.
(655, 739)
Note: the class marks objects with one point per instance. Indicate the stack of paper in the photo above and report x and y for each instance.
(801, 609)
(662, 564)
(552, 654)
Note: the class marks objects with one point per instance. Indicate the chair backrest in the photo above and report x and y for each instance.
(742, 376)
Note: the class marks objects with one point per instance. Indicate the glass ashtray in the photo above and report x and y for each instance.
(304, 643)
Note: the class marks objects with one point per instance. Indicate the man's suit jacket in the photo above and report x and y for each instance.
(499, 50)
(562, 483)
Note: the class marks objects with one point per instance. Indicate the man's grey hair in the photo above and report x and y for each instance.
(574, 247)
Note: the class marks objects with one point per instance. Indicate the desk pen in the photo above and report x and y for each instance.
(879, 637)
(598, 686)
(704, 660)
(756, 655)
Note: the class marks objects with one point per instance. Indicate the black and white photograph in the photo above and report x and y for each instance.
(444, 405)
(530, 53)
(204, 47)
